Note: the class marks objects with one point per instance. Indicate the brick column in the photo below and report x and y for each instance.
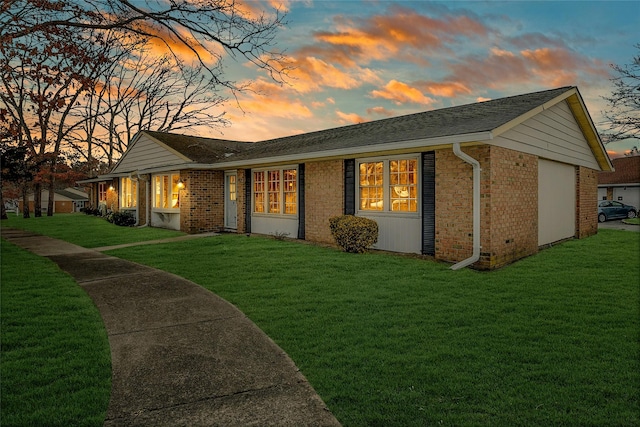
(586, 202)
(324, 198)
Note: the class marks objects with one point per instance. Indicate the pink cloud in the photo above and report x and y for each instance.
(380, 111)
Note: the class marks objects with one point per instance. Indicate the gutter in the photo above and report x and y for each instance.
(476, 208)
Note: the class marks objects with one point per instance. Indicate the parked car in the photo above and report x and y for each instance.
(610, 209)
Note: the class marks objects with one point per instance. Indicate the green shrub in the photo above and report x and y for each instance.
(124, 218)
(353, 233)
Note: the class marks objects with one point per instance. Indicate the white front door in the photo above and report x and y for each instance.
(230, 197)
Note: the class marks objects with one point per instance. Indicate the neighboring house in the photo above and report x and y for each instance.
(623, 184)
(483, 184)
(65, 201)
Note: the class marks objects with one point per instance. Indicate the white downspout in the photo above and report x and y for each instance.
(475, 256)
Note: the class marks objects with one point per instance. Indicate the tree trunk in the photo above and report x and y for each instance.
(52, 195)
(37, 201)
(3, 211)
(25, 202)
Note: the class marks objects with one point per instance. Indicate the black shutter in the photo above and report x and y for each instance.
(301, 201)
(429, 203)
(247, 201)
(350, 186)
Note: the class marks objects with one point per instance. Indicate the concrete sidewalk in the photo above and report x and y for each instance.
(182, 356)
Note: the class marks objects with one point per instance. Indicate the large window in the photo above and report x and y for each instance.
(272, 187)
(128, 190)
(389, 185)
(166, 191)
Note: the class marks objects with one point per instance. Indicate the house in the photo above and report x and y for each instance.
(65, 201)
(623, 184)
(483, 184)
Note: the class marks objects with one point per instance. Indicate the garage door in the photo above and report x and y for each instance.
(556, 201)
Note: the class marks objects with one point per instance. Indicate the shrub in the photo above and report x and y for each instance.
(124, 218)
(352, 233)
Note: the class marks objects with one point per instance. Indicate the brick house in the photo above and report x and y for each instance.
(482, 184)
(623, 184)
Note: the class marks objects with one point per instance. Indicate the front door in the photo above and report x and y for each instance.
(230, 197)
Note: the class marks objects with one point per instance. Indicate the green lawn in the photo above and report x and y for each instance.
(397, 341)
(56, 363)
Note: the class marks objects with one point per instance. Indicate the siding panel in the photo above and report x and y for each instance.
(146, 153)
(553, 134)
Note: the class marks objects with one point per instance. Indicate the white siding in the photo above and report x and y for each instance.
(264, 224)
(553, 134)
(397, 233)
(556, 201)
(146, 153)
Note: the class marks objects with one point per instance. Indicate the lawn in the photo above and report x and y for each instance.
(399, 341)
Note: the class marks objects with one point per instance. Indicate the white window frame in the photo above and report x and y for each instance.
(282, 202)
(172, 193)
(128, 190)
(386, 186)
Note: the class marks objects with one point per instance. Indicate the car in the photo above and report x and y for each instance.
(610, 209)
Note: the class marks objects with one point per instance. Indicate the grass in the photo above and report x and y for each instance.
(397, 341)
(56, 363)
(87, 230)
(634, 221)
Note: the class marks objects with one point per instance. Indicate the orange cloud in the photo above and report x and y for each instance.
(271, 100)
(444, 89)
(383, 37)
(350, 118)
(401, 93)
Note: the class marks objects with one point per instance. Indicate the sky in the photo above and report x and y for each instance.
(358, 61)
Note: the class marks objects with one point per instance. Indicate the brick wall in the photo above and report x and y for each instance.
(508, 206)
(586, 202)
(202, 201)
(324, 198)
(511, 196)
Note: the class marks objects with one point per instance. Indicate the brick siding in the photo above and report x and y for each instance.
(324, 198)
(586, 202)
(202, 201)
(241, 197)
(508, 206)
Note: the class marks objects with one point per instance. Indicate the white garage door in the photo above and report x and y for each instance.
(556, 201)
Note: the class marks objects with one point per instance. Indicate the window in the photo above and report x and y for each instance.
(389, 185)
(102, 192)
(128, 190)
(275, 191)
(166, 191)
(371, 189)
(403, 183)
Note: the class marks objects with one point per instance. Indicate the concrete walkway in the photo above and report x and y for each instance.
(180, 355)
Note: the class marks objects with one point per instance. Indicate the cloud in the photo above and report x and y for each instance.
(350, 118)
(401, 93)
(394, 35)
(444, 89)
(272, 100)
(380, 111)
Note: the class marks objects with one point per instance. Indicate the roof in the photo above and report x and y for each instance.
(470, 123)
(72, 195)
(627, 171)
(460, 120)
(198, 149)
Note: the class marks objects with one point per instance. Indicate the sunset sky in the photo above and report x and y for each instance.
(359, 61)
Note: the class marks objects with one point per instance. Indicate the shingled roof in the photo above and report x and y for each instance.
(627, 171)
(198, 149)
(460, 120)
(454, 121)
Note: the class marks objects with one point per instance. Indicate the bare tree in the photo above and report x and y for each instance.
(623, 115)
(192, 24)
(43, 76)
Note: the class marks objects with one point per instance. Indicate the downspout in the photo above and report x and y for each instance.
(475, 256)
